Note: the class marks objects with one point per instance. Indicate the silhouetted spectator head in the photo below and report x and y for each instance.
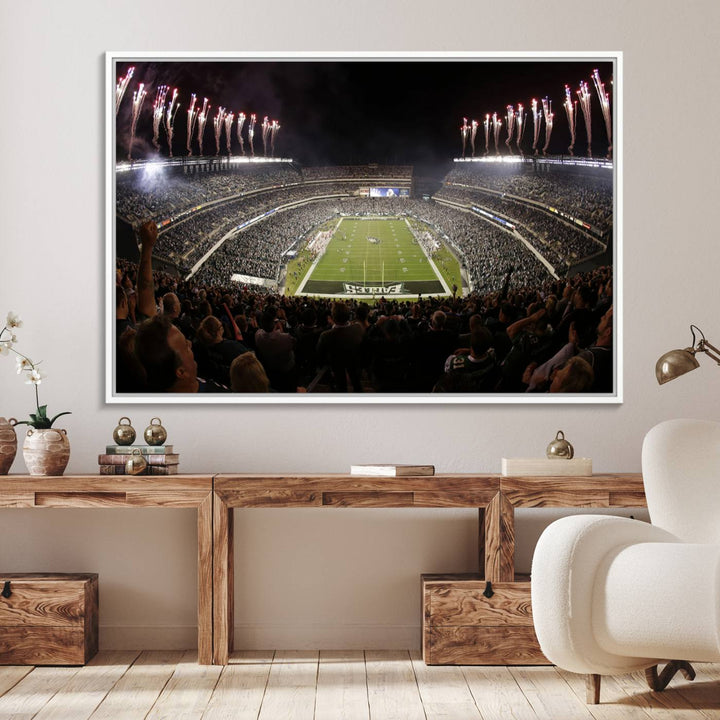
(576, 375)
(171, 305)
(340, 313)
(166, 356)
(480, 341)
(267, 321)
(210, 331)
(247, 375)
(438, 320)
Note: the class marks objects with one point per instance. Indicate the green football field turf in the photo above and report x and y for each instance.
(351, 258)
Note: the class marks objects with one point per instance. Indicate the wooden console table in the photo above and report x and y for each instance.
(215, 498)
(92, 491)
(495, 497)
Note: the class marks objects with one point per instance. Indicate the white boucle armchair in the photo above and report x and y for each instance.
(613, 595)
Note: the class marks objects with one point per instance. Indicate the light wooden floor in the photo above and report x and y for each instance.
(370, 685)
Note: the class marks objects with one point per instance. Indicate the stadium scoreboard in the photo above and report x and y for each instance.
(389, 192)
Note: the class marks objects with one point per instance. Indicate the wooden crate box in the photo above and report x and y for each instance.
(48, 618)
(461, 626)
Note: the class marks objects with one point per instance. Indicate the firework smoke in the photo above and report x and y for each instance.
(169, 119)
(138, 99)
(571, 112)
(201, 120)
(520, 123)
(265, 133)
(218, 123)
(274, 127)
(585, 98)
(510, 114)
(549, 116)
(158, 112)
(604, 98)
(191, 119)
(497, 126)
(240, 123)
(251, 133)
(121, 87)
(229, 118)
(473, 132)
(537, 121)
(464, 130)
(486, 126)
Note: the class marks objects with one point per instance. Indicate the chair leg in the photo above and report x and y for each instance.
(660, 682)
(592, 689)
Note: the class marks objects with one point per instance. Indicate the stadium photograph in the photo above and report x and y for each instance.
(422, 228)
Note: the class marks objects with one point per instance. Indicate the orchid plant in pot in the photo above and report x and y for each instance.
(46, 449)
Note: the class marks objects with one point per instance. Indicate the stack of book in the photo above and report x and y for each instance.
(160, 459)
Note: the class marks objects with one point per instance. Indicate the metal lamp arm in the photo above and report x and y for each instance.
(710, 350)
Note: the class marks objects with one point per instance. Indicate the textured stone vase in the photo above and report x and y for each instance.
(8, 445)
(46, 452)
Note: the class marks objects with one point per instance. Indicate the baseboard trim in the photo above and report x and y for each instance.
(327, 637)
(266, 636)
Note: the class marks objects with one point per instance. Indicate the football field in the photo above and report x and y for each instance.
(373, 256)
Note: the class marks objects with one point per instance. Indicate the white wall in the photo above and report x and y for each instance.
(319, 577)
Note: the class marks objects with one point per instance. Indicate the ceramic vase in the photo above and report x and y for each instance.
(8, 445)
(46, 451)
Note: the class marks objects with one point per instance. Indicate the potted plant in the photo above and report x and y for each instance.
(46, 449)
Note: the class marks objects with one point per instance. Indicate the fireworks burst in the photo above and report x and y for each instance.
(229, 118)
(251, 133)
(464, 130)
(571, 111)
(549, 116)
(520, 123)
(121, 87)
(169, 119)
(510, 114)
(604, 98)
(497, 126)
(191, 119)
(240, 123)
(473, 132)
(537, 121)
(486, 126)
(201, 120)
(138, 99)
(585, 98)
(265, 133)
(158, 112)
(274, 127)
(218, 123)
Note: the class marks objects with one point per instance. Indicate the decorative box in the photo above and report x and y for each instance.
(48, 618)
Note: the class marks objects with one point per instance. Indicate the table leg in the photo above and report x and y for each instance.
(223, 581)
(205, 579)
(499, 545)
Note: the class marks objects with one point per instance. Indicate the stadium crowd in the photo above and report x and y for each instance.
(518, 330)
(566, 192)
(193, 336)
(556, 240)
(358, 172)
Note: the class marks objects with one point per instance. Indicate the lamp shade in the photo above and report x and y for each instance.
(675, 363)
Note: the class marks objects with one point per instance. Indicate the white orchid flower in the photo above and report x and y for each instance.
(35, 377)
(23, 364)
(13, 320)
(5, 346)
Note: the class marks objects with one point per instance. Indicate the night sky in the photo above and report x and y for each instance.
(363, 111)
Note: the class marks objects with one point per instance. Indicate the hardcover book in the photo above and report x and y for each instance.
(149, 470)
(110, 459)
(392, 470)
(144, 449)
